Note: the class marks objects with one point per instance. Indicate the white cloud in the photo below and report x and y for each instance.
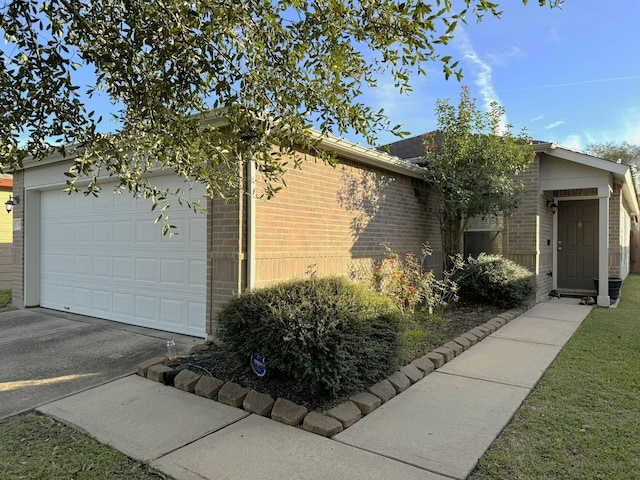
(573, 142)
(633, 135)
(499, 58)
(483, 72)
(554, 124)
(575, 83)
(630, 131)
(537, 119)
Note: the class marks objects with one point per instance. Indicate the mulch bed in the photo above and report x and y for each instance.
(441, 328)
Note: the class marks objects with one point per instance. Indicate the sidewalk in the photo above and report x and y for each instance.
(436, 430)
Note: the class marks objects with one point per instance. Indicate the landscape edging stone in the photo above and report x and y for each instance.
(326, 424)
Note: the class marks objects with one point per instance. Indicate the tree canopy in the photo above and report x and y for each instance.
(472, 163)
(623, 152)
(271, 69)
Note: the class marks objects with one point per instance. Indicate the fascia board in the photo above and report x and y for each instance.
(368, 156)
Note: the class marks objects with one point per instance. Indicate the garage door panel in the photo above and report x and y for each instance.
(108, 258)
(82, 265)
(146, 271)
(171, 311)
(197, 273)
(64, 264)
(102, 267)
(101, 301)
(181, 235)
(144, 234)
(122, 232)
(82, 298)
(173, 271)
(83, 233)
(123, 268)
(122, 305)
(66, 295)
(48, 263)
(103, 233)
(198, 231)
(197, 315)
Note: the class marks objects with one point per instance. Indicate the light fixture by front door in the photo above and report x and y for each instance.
(553, 206)
(12, 202)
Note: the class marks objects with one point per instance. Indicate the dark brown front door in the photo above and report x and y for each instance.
(577, 244)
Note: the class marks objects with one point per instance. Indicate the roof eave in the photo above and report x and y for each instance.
(368, 156)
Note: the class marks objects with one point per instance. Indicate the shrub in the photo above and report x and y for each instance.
(410, 285)
(329, 334)
(495, 280)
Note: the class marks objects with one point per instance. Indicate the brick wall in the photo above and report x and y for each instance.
(331, 221)
(544, 278)
(615, 249)
(526, 231)
(18, 242)
(619, 236)
(226, 256)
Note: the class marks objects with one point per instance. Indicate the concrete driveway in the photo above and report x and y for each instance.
(47, 355)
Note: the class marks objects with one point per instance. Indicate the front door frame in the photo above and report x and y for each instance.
(580, 281)
(604, 193)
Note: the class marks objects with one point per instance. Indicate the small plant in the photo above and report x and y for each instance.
(495, 280)
(410, 285)
(330, 335)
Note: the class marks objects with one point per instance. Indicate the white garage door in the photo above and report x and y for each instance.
(105, 257)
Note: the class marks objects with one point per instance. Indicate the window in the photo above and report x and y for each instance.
(483, 235)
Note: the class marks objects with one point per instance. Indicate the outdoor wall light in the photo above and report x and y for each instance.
(553, 206)
(12, 202)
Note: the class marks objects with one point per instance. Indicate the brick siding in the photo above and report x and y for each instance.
(326, 221)
(18, 242)
(331, 221)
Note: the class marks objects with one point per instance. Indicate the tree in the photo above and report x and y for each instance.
(270, 69)
(624, 152)
(472, 164)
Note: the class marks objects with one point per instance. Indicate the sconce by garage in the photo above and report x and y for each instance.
(12, 202)
(553, 206)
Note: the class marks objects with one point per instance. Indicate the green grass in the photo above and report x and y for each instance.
(34, 446)
(583, 419)
(5, 301)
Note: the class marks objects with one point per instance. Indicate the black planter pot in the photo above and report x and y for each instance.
(169, 377)
(614, 287)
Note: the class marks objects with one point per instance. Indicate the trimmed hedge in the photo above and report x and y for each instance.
(495, 280)
(331, 335)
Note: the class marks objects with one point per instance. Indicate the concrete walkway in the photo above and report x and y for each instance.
(436, 430)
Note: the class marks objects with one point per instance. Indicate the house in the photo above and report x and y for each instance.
(104, 256)
(574, 224)
(6, 233)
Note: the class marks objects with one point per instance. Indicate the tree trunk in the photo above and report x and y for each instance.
(451, 232)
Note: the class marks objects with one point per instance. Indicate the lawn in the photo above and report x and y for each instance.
(5, 301)
(583, 419)
(33, 446)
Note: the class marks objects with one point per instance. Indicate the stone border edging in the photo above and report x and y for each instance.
(340, 417)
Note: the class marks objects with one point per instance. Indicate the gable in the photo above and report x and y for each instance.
(560, 174)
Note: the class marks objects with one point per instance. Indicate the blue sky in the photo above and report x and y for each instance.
(570, 75)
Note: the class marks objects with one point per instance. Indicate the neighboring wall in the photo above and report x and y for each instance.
(6, 240)
(332, 221)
